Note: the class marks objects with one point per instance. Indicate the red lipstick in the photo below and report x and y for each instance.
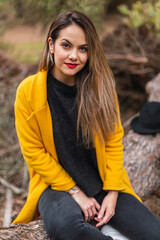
(71, 65)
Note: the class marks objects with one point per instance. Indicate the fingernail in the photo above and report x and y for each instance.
(99, 217)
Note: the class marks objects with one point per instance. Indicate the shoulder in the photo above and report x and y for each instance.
(31, 92)
(26, 84)
(23, 91)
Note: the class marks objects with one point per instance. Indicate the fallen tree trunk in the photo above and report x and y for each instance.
(31, 231)
(141, 159)
(142, 152)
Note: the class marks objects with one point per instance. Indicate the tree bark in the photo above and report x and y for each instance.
(142, 162)
(30, 231)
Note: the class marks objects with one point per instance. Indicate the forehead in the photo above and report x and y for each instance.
(74, 33)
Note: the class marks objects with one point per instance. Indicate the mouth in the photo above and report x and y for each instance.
(71, 65)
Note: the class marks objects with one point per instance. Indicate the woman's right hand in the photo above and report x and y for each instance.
(89, 205)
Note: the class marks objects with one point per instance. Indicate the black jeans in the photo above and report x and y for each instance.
(63, 218)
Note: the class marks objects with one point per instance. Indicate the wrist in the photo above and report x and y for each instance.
(113, 192)
(73, 190)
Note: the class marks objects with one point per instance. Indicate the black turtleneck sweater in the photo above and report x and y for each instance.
(79, 162)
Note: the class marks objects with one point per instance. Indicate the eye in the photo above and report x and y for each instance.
(83, 49)
(65, 45)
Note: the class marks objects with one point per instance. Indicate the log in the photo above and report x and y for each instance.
(30, 231)
(141, 159)
(142, 152)
(153, 89)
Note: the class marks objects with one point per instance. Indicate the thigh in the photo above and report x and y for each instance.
(134, 220)
(57, 209)
(63, 218)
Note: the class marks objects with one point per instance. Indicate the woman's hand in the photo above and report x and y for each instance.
(89, 206)
(107, 209)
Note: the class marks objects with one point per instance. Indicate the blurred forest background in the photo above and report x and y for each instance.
(130, 35)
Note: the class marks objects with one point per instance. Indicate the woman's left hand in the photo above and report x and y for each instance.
(107, 209)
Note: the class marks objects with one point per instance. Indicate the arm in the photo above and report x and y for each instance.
(114, 160)
(34, 152)
(113, 178)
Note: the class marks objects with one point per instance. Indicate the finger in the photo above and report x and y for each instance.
(107, 217)
(85, 215)
(101, 223)
(97, 219)
(101, 212)
(94, 211)
(90, 214)
(97, 205)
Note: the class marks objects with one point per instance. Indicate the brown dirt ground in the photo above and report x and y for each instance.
(24, 33)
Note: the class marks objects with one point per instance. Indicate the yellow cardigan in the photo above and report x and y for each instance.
(34, 129)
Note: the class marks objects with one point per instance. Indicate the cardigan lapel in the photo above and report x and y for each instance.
(40, 109)
(38, 91)
(44, 120)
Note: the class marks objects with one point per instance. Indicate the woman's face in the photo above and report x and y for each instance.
(70, 53)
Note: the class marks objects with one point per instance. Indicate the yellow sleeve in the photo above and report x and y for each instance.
(114, 160)
(34, 152)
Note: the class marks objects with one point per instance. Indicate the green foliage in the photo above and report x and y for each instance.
(24, 52)
(33, 11)
(4, 16)
(143, 13)
(44, 11)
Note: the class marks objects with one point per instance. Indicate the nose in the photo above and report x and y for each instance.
(73, 55)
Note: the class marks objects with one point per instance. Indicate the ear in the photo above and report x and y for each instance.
(51, 45)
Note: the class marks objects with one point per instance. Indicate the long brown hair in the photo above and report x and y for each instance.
(96, 97)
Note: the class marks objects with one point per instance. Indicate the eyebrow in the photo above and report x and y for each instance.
(64, 39)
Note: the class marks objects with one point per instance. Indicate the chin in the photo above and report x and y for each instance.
(71, 73)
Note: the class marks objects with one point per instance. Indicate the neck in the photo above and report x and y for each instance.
(68, 80)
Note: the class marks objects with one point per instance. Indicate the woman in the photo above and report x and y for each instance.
(69, 129)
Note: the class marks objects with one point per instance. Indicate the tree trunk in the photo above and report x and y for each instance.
(142, 152)
(142, 162)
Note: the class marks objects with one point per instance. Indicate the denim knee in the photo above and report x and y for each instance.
(69, 226)
(61, 215)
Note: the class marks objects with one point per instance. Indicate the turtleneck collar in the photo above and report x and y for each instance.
(60, 86)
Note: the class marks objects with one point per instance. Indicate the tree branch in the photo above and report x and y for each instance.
(15, 189)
